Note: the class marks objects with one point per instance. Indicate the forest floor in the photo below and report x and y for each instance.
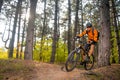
(32, 70)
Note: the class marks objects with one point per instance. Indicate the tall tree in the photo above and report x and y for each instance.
(76, 22)
(104, 46)
(23, 36)
(55, 34)
(11, 45)
(81, 20)
(24, 28)
(69, 26)
(28, 54)
(18, 36)
(1, 3)
(43, 31)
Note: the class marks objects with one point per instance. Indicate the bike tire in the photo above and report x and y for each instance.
(71, 61)
(89, 65)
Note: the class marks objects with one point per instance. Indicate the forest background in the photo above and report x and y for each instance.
(43, 30)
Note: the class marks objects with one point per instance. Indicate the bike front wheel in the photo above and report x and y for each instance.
(71, 61)
(89, 64)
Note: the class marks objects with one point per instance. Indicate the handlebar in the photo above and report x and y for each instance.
(77, 39)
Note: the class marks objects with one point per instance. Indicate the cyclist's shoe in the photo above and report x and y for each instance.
(81, 63)
(87, 59)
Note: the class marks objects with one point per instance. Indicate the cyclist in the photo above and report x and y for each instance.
(92, 39)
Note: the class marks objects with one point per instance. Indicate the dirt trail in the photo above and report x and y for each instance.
(46, 71)
(31, 70)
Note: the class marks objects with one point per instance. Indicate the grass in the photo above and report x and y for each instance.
(10, 66)
(1, 77)
(14, 66)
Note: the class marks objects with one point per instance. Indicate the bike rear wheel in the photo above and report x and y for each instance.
(72, 61)
(89, 64)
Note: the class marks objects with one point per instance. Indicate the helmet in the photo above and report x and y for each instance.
(88, 24)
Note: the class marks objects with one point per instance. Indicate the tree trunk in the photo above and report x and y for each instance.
(28, 54)
(1, 3)
(43, 31)
(82, 27)
(23, 36)
(11, 45)
(23, 32)
(104, 46)
(69, 27)
(76, 22)
(18, 36)
(55, 34)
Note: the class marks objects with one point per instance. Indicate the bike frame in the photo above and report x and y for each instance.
(81, 47)
(71, 61)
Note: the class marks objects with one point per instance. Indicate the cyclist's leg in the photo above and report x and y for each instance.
(83, 57)
(92, 47)
(85, 47)
(91, 50)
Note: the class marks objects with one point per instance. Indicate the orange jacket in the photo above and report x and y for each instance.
(92, 35)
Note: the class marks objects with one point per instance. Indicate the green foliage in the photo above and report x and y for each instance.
(3, 54)
(114, 48)
(61, 52)
(45, 52)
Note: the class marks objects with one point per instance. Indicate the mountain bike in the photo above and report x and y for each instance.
(74, 57)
